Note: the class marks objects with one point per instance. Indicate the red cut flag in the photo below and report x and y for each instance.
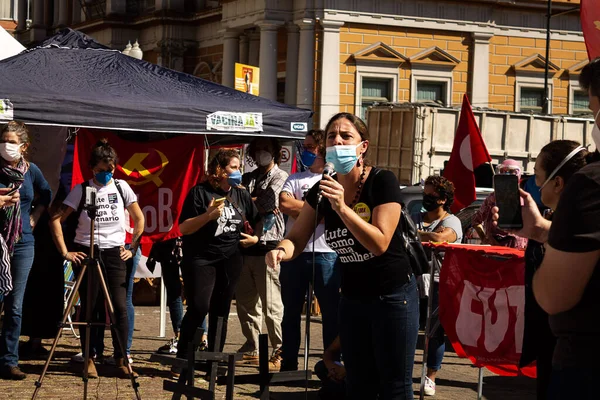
(590, 25)
(468, 153)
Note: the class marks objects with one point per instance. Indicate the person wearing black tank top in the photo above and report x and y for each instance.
(361, 211)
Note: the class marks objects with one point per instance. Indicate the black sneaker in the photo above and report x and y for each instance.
(169, 348)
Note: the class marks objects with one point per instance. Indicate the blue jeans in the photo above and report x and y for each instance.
(21, 263)
(170, 274)
(295, 277)
(379, 339)
(437, 344)
(131, 266)
(573, 383)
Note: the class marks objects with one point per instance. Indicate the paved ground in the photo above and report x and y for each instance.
(456, 381)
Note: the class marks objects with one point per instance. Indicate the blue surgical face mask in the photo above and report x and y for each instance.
(235, 178)
(103, 177)
(308, 158)
(343, 158)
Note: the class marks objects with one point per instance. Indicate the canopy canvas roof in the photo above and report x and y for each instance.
(72, 80)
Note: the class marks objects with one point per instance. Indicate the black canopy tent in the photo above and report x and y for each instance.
(72, 80)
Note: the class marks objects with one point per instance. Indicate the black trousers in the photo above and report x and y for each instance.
(209, 289)
(115, 274)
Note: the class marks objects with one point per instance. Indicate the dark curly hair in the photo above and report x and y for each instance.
(103, 151)
(444, 188)
(589, 79)
(216, 167)
(275, 145)
(319, 137)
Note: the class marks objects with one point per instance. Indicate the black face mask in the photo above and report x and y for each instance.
(430, 202)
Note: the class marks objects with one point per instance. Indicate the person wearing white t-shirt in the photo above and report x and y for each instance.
(295, 275)
(109, 239)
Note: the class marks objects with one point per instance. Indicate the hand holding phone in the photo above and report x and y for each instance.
(508, 200)
(218, 202)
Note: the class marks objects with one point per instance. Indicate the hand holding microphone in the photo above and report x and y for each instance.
(328, 170)
(331, 189)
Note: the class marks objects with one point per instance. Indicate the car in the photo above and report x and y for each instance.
(411, 198)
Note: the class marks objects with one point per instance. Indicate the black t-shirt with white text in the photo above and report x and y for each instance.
(576, 229)
(219, 238)
(363, 273)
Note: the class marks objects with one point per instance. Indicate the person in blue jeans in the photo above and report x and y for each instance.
(296, 275)
(436, 224)
(379, 306)
(17, 224)
(131, 267)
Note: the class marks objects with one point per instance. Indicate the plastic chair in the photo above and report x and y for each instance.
(69, 286)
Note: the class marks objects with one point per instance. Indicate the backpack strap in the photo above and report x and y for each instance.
(120, 190)
(84, 185)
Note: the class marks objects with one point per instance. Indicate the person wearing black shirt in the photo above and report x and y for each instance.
(212, 235)
(379, 307)
(567, 284)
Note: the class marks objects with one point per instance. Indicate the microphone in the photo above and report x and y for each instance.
(327, 171)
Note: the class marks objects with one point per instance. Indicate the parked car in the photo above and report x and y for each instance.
(412, 199)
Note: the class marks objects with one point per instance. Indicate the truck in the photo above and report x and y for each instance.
(413, 140)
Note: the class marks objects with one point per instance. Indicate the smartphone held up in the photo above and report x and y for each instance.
(508, 201)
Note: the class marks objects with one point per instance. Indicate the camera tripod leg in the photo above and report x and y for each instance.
(113, 320)
(71, 303)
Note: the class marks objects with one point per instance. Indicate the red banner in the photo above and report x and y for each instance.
(590, 25)
(161, 173)
(482, 306)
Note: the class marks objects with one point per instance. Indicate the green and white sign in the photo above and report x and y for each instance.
(234, 122)
(6, 110)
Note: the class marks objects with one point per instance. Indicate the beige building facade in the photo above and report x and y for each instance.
(345, 55)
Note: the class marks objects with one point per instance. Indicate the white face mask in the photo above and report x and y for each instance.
(263, 158)
(10, 151)
(596, 131)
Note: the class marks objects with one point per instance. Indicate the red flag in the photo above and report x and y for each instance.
(160, 172)
(590, 25)
(468, 153)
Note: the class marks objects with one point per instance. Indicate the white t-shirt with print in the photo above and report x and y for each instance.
(110, 221)
(298, 185)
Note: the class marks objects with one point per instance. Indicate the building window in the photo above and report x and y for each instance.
(281, 90)
(532, 99)
(580, 102)
(374, 91)
(432, 91)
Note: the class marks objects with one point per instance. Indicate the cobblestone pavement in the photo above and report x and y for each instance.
(456, 381)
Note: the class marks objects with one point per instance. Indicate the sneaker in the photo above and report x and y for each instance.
(203, 346)
(429, 388)
(129, 358)
(78, 358)
(169, 348)
(275, 361)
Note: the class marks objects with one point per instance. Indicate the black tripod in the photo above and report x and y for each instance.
(92, 262)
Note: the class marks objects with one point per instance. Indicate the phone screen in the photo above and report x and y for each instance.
(508, 200)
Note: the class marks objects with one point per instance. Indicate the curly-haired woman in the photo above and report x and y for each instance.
(436, 224)
(212, 225)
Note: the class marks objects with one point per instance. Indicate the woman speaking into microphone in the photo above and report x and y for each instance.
(379, 307)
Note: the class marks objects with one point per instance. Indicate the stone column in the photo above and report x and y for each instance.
(481, 69)
(175, 5)
(38, 26)
(63, 14)
(291, 64)
(306, 64)
(77, 12)
(22, 15)
(244, 42)
(268, 59)
(253, 48)
(230, 56)
(115, 7)
(330, 71)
